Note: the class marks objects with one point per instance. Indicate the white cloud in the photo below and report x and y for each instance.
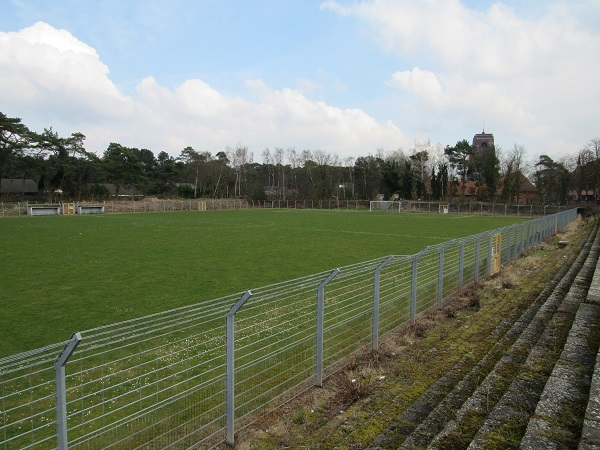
(534, 79)
(419, 82)
(42, 67)
(308, 87)
(50, 78)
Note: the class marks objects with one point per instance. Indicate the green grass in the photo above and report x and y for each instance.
(62, 274)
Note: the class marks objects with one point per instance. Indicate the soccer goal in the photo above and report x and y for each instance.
(380, 205)
(444, 208)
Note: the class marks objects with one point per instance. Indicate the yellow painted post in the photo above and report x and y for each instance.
(496, 253)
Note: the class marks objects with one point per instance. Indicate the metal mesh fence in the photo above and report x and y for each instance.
(148, 205)
(154, 382)
(192, 376)
(27, 399)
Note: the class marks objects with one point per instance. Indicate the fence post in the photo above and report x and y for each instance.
(513, 253)
(230, 375)
(520, 240)
(508, 252)
(461, 265)
(413, 289)
(320, 321)
(477, 251)
(376, 277)
(544, 228)
(441, 274)
(61, 390)
(489, 257)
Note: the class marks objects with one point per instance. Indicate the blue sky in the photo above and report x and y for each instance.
(347, 77)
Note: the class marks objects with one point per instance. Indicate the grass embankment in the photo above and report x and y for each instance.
(360, 402)
(62, 274)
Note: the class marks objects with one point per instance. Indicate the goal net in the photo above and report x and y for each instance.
(444, 208)
(377, 205)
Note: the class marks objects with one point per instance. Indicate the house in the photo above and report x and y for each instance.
(12, 186)
(468, 191)
(585, 182)
(523, 192)
(585, 196)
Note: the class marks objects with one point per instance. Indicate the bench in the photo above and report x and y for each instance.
(90, 209)
(43, 210)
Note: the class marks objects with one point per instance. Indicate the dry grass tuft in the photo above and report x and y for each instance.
(351, 387)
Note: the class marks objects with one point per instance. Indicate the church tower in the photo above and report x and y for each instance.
(483, 143)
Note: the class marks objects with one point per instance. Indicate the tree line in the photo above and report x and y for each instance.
(428, 172)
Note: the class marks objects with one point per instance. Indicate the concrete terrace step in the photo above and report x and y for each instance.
(508, 421)
(547, 332)
(469, 392)
(559, 414)
(590, 433)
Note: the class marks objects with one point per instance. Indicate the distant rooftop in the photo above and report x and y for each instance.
(18, 186)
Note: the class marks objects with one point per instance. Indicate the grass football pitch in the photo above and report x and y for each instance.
(62, 274)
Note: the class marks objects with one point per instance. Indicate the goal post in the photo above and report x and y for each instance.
(444, 208)
(381, 205)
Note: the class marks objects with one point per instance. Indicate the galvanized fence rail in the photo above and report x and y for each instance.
(192, 376)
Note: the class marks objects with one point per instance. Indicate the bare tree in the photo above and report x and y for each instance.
(511, 167)
(582, 167)
(294, 160)
(594, 145)
(278, 157)
(349, 165)
(239, 158)
(268, 161)
(594, 148)
(419, 159)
